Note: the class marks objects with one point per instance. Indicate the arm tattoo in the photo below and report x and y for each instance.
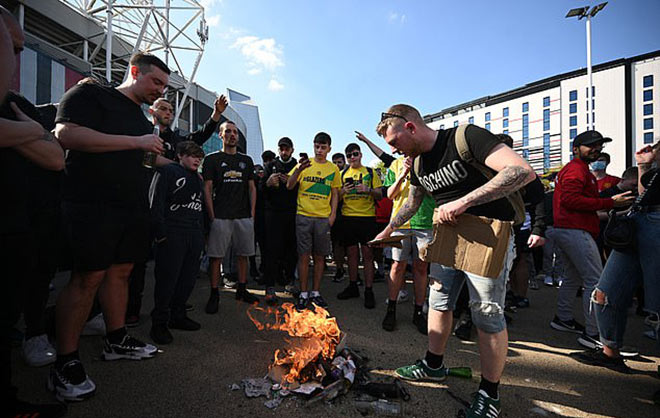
(507, 181)
(414, 201)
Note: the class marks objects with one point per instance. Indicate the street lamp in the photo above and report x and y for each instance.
(581, 12)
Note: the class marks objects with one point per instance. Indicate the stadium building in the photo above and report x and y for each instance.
(543, 117)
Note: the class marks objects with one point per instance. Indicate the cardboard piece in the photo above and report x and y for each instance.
(393, 241)
(475, 244)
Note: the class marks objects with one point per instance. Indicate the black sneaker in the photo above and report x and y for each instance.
(184, 324)
(351, 291)
(359, 282)
(189, 307)
(271, 297)
(318, 301)
(598, 358)
(421, 322)
(379, 277)
(567, 326)
(129, 348)
(161, 334)
(339, 276)
(463, 330)
(521, 302)
(212, 304)
(245, 296)
(27, 409)
(589, 341)
(70, 382)
(389, 322)
(302, 303)
(369, 299)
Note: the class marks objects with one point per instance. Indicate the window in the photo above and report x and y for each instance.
(648, 137)
(546, 151)
(505, 112)
(572, 95)
(525, 132)
(487, 116)
(488, 126)
(648, 123)
(471, 120)
(505, 132)
(526, 154)
(572, 108)
(648, 109)
(648, 81)
(505, 123)
(546, 119)
(572, 121)
(593, 91)
(573, 133)
(526, 107)
(546, 101)
(648, 95)
(455, 123)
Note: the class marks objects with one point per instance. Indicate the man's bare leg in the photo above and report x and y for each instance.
(420, 280)
(397, 275)
(368, 260)
(242, 267)
(353, 261)
(214, 274)
(113, 295)
(492, 350)
(303, 272)
(440, 323)
(318, 271)
(73, 306)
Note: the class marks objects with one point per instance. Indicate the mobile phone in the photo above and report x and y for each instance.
(303, 155)
(350, 181)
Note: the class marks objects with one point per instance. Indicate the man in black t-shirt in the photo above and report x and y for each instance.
(23, 143)
(230, 195)
(106, 212)
(459, 187)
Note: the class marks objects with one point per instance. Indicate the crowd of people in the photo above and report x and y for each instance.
(128, 186)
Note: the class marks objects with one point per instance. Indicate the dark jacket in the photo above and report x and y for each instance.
(279, 199)
(200, 136)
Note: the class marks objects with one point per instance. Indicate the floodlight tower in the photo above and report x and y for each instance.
(167, 28)
(580, 13)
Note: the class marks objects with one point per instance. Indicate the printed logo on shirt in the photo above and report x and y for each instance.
(194, 204)
(233, 176)
(242, 165)
(446, 176)
(320, 186)
(224, 164)
(179, 184)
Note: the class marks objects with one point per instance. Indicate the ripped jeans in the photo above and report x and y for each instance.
(486, 295)
(622, 273)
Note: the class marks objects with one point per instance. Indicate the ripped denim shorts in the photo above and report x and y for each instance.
(486, 295)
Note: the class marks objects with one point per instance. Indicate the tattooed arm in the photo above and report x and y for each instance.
(513, 172)
(414, 201)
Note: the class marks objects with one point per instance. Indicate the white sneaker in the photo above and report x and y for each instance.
(38, 352)
(229, 284)
(71, 383)
(95, 326)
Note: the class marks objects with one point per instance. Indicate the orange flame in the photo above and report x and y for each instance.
(319, 331)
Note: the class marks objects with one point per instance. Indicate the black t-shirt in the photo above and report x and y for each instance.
(114, 178)
(14, 174)
(446, 177)
(230, 174)
(279, 198)
(652, 196)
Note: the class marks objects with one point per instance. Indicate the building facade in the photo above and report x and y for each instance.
(543, 117)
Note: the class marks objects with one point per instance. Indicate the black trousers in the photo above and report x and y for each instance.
(281, 256)
(176, 270)
(14, 259)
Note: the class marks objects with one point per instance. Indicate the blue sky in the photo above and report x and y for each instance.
(335, 65)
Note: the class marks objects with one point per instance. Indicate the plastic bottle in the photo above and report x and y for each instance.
(149, 159)
(379, 407)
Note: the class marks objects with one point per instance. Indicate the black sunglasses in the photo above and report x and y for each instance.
(353, 154)
(386, 115)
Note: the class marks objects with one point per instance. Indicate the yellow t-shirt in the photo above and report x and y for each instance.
(360, 204)
(315, 185)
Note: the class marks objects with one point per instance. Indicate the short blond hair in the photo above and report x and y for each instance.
(408, 112)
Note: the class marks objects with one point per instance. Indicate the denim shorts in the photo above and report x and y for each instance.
(486, 294)
(415, 240)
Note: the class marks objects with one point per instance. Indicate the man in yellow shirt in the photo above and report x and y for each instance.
(318, 181)
(360, 189)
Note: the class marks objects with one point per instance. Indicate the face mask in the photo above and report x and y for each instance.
(598, 165)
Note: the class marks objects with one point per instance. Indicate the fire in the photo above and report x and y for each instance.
(317, 335)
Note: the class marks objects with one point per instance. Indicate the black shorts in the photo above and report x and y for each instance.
(101, 236)
(335, 229)
(358, 230)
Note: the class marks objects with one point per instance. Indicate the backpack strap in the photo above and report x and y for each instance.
(371, 173)
(343, 172)
(515, 198)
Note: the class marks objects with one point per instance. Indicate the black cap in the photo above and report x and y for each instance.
(589, 137)
(285, 141)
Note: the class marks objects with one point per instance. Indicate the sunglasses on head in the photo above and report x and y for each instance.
(353, 154)
(386, 115)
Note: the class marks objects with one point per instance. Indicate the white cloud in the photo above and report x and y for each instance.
(213, 21)
(395, 17)
(207, 4)
(275, 85)
(260, 53)
(254, 71)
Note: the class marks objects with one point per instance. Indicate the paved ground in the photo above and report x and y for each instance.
(191, 377)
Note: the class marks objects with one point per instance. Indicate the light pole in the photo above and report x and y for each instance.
(581, 12)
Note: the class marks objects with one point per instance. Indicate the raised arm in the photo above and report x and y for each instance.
(80, 138)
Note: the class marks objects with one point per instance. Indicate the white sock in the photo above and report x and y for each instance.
(315, 293)
(304, 295)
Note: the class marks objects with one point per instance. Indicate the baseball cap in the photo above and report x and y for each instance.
(590, 137)
(285, 141)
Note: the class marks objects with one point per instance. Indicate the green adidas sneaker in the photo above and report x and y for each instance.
(421, 372)
(483, 406)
